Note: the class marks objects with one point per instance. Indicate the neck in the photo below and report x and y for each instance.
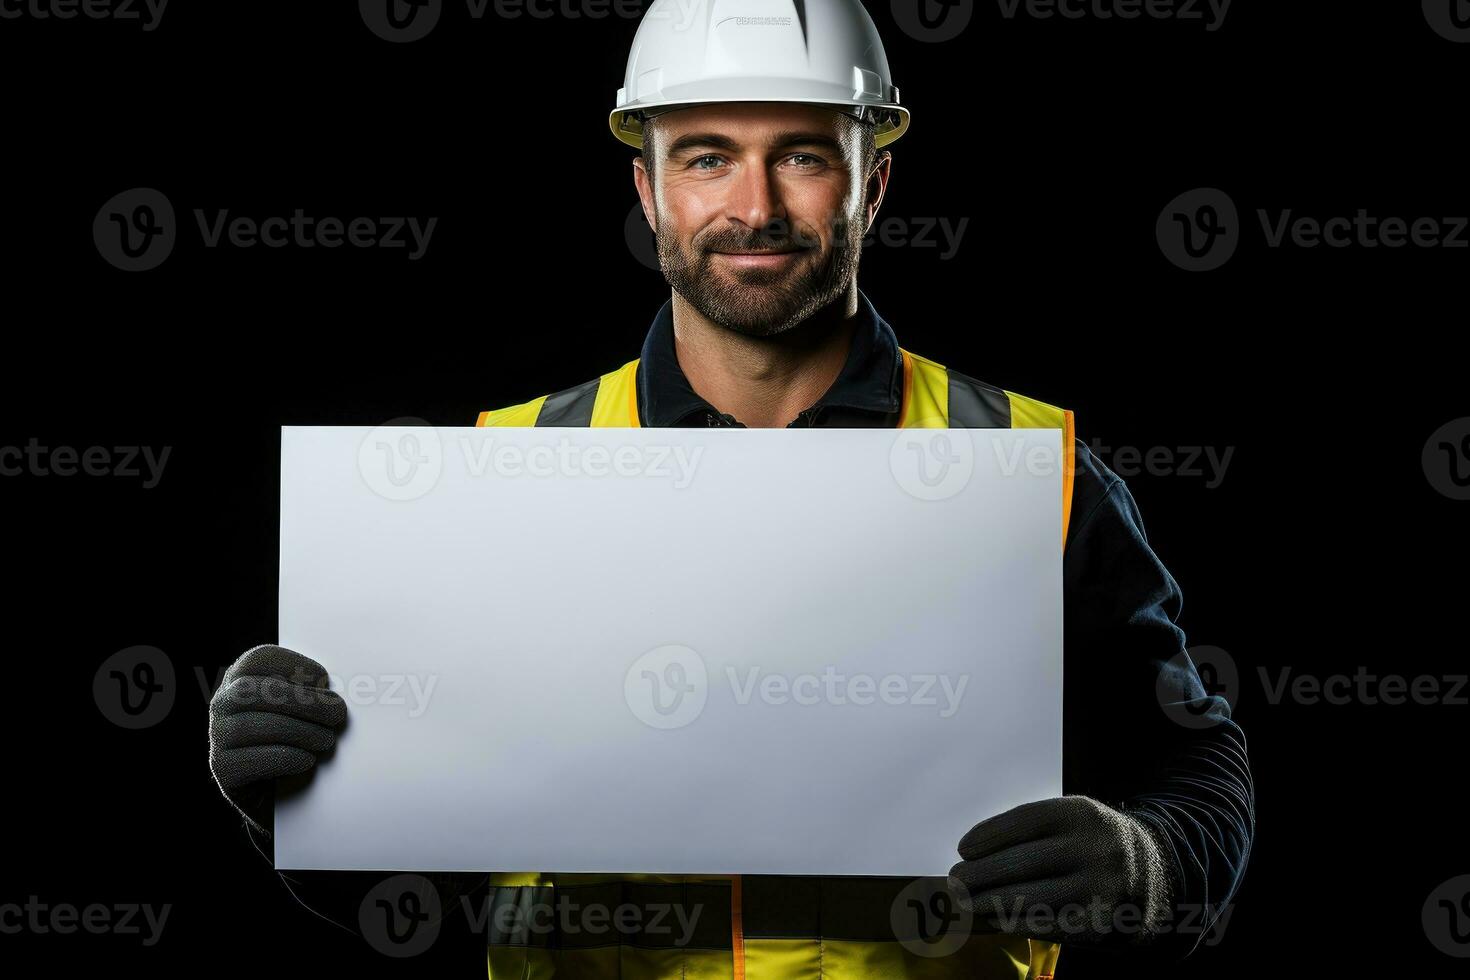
(765, 382)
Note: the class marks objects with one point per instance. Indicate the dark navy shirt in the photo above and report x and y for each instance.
(866, 394)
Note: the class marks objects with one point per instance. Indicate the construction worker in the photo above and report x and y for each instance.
(763, 127)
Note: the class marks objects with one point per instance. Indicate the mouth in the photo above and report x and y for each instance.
(758, 259)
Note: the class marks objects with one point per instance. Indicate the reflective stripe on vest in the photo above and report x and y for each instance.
(769, 928)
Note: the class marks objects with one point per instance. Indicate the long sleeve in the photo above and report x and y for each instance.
(1140, 731)
(341, 899)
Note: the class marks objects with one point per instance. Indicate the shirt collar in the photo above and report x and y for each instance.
(871, 380)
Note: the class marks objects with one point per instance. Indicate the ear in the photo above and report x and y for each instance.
(643, 181)
(877, 184)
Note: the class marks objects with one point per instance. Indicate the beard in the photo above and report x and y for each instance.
(762, 302)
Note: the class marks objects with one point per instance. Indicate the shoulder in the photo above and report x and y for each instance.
(569, 407)
(1100, 496)
(976, 404)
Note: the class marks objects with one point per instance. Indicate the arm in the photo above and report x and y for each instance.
(1160, 811)
(1170, 755)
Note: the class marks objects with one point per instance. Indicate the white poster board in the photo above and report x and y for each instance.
(679, 651)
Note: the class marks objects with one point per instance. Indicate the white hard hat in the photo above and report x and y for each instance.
(823, 52)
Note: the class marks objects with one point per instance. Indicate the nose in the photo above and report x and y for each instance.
(754, 199)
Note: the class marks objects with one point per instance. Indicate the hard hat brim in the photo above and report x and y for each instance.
(627, 126)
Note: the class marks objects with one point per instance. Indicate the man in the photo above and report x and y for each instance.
(762, 127)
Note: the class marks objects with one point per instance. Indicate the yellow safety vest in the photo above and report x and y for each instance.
(832, 923)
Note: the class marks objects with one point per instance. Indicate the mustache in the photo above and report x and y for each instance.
(770, 239)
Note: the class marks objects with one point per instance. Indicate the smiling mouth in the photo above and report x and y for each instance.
(757, 258)
(769, 251)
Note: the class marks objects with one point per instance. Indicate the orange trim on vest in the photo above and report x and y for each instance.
(737, 928)
(1069, 467)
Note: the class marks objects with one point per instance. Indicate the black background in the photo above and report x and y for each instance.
(1324, 549)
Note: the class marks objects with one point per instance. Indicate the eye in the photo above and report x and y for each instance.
(806, 161)
(707, 162)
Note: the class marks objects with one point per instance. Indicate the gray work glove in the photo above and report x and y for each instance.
(1068, 870)
(271, 717)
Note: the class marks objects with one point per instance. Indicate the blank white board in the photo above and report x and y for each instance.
(679, 651)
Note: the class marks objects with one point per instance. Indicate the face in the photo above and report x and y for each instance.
(759, 209)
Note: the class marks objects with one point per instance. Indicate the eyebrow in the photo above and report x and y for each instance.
(783, 140)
